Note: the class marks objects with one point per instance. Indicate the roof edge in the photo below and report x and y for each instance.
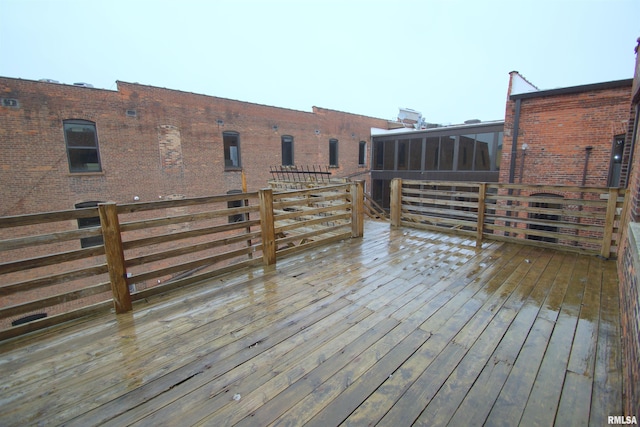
(574, 89)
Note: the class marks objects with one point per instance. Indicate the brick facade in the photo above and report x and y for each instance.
(629, 261)
(154, 143)
(557, 126)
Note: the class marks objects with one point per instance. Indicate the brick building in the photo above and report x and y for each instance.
(585, 136)
(64, 146)
(567, 136)
(629, 257)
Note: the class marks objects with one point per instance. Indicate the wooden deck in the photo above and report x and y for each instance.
(403, 327)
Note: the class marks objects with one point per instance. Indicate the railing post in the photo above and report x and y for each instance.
(115, 256)
(609, 222)
(357, 208)
(395, 202)
(267, 226)
(482, 193)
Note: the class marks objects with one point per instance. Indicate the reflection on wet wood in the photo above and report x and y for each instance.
(401, 327)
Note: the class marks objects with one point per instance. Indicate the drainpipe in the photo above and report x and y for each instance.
(586, 164)
(514, 144)
(514, 154)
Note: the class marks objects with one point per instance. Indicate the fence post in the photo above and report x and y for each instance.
(395, 202)
(482, 192)
(115, 256)
(267, 226)
(609, 222)
(357, 208)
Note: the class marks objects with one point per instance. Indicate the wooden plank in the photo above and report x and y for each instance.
(115, 256)
(53, 279)
(481, 396)
(482, 192)
(267, 226)
(178, 219)
(607, 381)
(609, 222)
(43, 261)
(346, 391)
(193, 201)
(395, 202)
(541, 404)
(42, 303)
(154, 240)
(189, 249)
(357, 209)
(43, 239)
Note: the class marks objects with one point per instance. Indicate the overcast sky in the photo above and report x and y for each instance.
(448, 59)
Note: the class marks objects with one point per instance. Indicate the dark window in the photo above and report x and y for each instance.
(415, 155)
(389, 155)
(499, 150)
(333, 152)
(231, 142)
(432, 154)
(403, 155)
(616, 161)
(362, 153)
(94, 221)
(447, 146)
(378, 155)
(287, 150)
(483, 151)
(465, 152)
(82, 146)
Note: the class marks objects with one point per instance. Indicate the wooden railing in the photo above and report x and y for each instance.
(148, 248)
(580, 219)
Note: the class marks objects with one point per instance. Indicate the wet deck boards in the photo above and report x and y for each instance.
(403, 327)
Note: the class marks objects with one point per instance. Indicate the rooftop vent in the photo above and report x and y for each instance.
(81, 84)
(472, 122)
(48, 81)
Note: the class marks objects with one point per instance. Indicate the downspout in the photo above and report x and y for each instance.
(514, 144)
(514, 155)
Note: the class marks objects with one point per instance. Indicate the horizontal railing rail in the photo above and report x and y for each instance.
(579, 219)
(147, 248)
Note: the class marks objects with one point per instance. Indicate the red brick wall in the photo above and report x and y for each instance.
(557, 129)
(35, 174)
(629, 265)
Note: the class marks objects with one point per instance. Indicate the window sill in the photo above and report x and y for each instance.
(232, 169)
(101, 173)
(334, 167)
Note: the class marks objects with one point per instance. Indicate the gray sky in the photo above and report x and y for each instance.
(448, 59)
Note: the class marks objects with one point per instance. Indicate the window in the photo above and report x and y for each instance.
(415, 155)
(333, 152)
(82, 146)
(403, 155)
(616, 161)
(447, 146)
(362, 153)
(378, 155)
(231, 142)
(287, 150)
(432, 153)
(94, 221)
